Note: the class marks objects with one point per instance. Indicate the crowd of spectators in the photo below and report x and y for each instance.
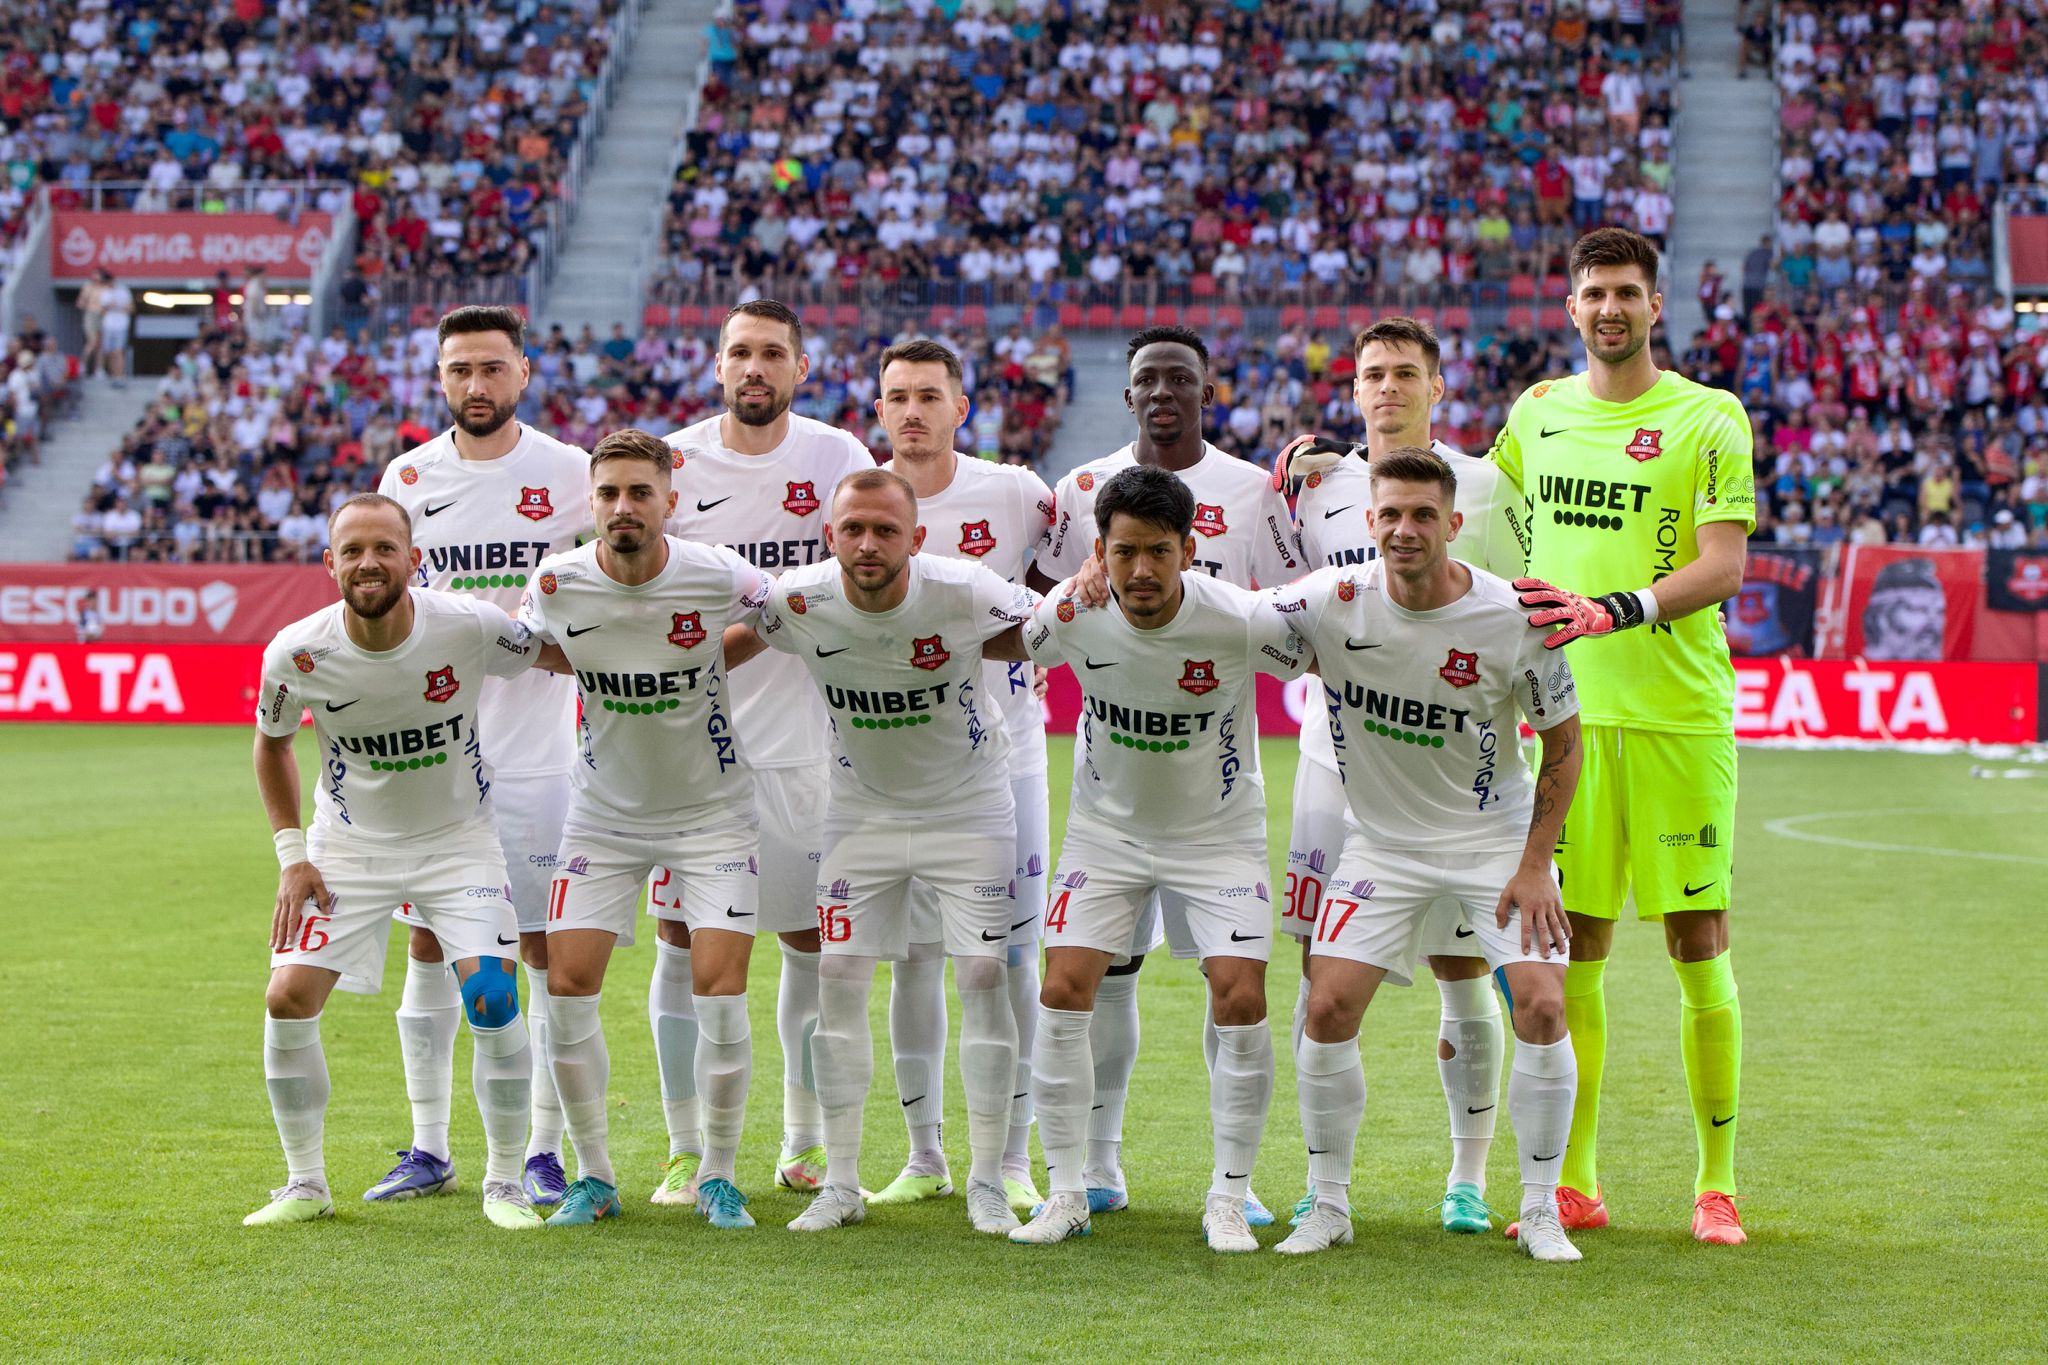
(450, 124)
(250, 444)
(1896, 395)
(38, 382)
(1438, 154)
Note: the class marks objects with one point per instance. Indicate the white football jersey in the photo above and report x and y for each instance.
(402, 759)
(660, 753)
(771, 509)
(913, 737)
(1329, 520)
(483, 527)
(1242, 533)
(1424, 706)
(1169, 724)
(995, 514)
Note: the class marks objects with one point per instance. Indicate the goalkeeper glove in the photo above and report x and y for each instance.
(1579, 615)
(1298, 460)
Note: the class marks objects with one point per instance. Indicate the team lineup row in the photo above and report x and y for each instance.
(871, 787)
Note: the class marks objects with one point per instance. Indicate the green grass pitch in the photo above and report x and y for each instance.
(1890, 985)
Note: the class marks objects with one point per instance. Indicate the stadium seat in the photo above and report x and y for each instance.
(1520, 316)
(1132, 317)
(656, 316)
(1521, 288)
(815, 315)
(974, 317)
(1202, 286)
(1197, 316)
(1292, 316)
(690, 315)
(846, 315)
(1456, 320)
(1325, 317)
(1070, 316)
(1230, 315)
(1101, 317)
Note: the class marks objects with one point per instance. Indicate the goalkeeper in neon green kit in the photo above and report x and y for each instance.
(1640, 489)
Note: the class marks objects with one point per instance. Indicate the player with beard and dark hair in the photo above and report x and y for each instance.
(488, 499)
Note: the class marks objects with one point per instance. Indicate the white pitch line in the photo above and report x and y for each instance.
(1788, 828)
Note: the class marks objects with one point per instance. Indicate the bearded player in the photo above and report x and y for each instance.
(1641, 491)
(488, 499)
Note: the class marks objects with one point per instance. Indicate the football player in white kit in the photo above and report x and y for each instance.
(659, 791)
(394, 677)
(1397, 385)
(755, 479)
(1167, 799)
(489, 498)
(992, 514)
(1427, 664)
(896, 642)
(1242, 536)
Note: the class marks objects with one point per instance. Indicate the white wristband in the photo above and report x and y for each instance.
(1648, 600)
(291, 846)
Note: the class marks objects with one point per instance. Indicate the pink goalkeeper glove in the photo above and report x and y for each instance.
(1578, 615)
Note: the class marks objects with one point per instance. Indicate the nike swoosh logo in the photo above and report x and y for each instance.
(1021, 1094)
(1340, 511)
(1092, 664)
(1461, 932)
(1695, 890)
(504, 942)
(828, 653)
(1719, 1122)
(1023, 923)
(1353, 644)
(572, 632)
(1318, 1151)
(343, 707)
(913, 1100)
(987, 937)
(431, 511)
(1552, 1157)
(1236, 937)
(1236, 1175)
(1546, 433)
(737, 914)
(1487, 1109)
(703, 506)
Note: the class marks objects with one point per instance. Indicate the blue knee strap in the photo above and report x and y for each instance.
(1500, 977)
(490, 997)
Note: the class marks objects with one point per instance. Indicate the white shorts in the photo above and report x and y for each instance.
(1027, 881)
(864, 903)
(791, 805)
(1213, 898)
(705, 878)
(1379, 903)
(528, 813)
(458, 895)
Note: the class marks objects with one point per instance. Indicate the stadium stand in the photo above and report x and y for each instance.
(38, 383)
(1894, 395)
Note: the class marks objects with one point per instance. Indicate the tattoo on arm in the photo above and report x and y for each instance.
(1548, 777)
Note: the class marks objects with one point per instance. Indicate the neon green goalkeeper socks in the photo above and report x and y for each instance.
(1585, 1015)
(1710, 1038)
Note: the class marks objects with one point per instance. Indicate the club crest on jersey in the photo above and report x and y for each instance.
(1540, 389)
(441, 684)
(534, 504)
(1065, 610)
(975, 538)
(1460, 669)
(547, 585)
(675, 458)
(1313, 481)
(1346, 590)
(1198, 676)
(929, 652)
(686, 629)
(1084, 482)
(408, 476)
(1209, 520)
(797, 603)
(1647, 445)
(303, 660)
(802, 499)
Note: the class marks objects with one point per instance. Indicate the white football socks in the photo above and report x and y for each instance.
(673, 1017)
(844, 1048)
(1240, 1092)
(429, 1010)
(917, 1040)
(796, 1021)
(295, 1073)
(724, 1065)
(1021, 978)
(1330, 1080)
(1113, 1041)
(546, 1136)
(1063, 1084)
(1541, 1088)
(582, 1069)
(501, 1071)
(1298, 1022)
(1468, 1056)
(988, 1061)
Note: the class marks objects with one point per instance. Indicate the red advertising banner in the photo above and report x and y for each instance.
(172, 247)
(2026, 244)
(1908, 602)
(153, 684)
(159, 603)
(1869, 700)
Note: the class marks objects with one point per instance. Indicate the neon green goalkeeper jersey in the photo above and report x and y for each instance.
(1615, 492)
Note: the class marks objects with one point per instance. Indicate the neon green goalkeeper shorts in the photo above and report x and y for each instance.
(1654, 813)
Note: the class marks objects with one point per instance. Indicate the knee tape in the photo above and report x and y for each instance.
(490, 997)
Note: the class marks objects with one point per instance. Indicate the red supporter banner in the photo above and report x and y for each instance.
(173, 247)
(159, 603)
(1881, 702)
(151, 684)
(1908, 602)
(2026, 242)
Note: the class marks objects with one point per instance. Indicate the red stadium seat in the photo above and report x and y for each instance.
(1554, 289)
(1070, 316)
(1197, 316)
(815, 315)
(1293, 315)
(1457, 320)
(1522, 288)
(1356, 320)
(1101, 317)
(1427, 315)
(1163, 315)
(846, 315)
(690, 315)
(1325, 317)
(1230, 315)
(1203, 286)
(1520, 316)
(974, 316)
(1132, 317)
(656, 316)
